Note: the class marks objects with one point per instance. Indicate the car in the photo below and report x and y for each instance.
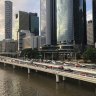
(83, 73)
(59, 62)
(90, 75)
(78, 65)
(68, 70)
(53, 62)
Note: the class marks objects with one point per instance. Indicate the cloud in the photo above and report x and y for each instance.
(89, 15)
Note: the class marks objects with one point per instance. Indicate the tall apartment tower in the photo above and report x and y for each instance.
(66, 22)
(94, 19)
(8, 20)
(90, 38)
(43, 17)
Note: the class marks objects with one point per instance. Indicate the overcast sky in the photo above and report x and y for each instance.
(29, 6)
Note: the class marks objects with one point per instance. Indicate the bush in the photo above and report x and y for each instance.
(90, 54)
(30, 53)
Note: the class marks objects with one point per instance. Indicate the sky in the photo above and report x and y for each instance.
(29, 6)
(89, 11)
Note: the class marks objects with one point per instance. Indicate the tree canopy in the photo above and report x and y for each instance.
(90, 54)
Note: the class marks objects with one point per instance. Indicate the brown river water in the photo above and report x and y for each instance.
(18, 83)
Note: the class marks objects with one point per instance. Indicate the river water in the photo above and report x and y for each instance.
(18, 83)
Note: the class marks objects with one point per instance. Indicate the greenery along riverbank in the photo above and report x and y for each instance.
(90, 55)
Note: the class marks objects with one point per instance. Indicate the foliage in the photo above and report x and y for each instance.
(30, 53)
(90, 54)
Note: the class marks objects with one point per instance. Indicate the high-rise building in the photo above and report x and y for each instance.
(51, 22)
(22, 21)
(94, 19)
(43, 17)
(65, 25)
(66, 22)
(90, 37)
(28, 22)
(79, 16)
(34, 23)
(8, 20)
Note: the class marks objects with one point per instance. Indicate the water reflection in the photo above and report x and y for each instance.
(19, 83)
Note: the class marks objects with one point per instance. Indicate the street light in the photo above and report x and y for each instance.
(74, 45)
(62, 54)
(40, 55)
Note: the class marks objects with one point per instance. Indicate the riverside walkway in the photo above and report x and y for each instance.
(21, 63)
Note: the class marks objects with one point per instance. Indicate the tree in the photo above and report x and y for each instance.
(30, 53)
(90, 54)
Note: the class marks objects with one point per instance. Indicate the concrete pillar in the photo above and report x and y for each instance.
(64, 78)
(36, 71)
(13, 66)
(4, 65)
(28, 71)
(57, 78)
(28, 76)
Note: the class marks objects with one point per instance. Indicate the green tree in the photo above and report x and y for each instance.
(90, 54)
(30, 53)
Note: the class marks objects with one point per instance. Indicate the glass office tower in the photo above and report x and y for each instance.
(51, 22)
(66, 22)
(79, 17)
(34, 23)
(65, 26)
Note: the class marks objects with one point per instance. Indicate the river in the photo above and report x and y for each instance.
(18, 83)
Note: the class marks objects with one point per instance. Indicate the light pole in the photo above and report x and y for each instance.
(40, 53)
(52, 56)
(74, 45)
(44, 56)
(60, 47)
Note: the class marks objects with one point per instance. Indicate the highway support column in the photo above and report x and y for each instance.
(28, 71)
(4, 65)
(64, 78)
(13, 66)
(57, 78)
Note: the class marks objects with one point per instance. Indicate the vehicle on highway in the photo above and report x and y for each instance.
(48, 65)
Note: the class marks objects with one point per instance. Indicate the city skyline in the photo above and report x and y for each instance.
(24, 5)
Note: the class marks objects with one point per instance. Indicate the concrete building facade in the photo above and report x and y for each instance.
(90, 37)
(43, 17)
(34, 42)
(9, 45)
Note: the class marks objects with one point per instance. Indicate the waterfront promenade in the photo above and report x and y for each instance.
(57, 72)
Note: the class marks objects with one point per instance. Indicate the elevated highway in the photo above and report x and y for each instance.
(57, 72)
